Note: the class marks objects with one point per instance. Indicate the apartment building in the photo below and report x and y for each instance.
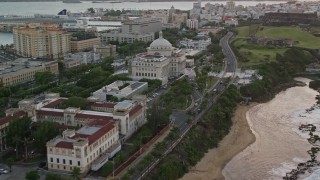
(43, 43)
(82, 45)
(141, 25)
(193, 23)
(126, 37)
(88, 148)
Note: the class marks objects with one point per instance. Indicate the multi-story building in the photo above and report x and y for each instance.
(86, 44)
(126, 37)
(43, 43)
(90, 147)
(193, 23)
(23, 70)
(131, 114)
(83, 57)
(161, 61)
(141, 25)
(105, 51)
(141, 29)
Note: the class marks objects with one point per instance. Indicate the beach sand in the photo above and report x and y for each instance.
(239, 137)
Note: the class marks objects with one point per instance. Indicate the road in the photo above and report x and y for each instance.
(181, 122)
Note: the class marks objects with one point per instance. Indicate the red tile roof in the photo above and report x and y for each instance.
(94, 117)
(49, 113)
(135, 110)
(54, 104)
(106, 105)
(64, 144)
(9, 118)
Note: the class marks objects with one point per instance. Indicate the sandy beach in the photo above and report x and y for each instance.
(239, 137)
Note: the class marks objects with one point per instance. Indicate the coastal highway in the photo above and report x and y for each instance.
(229, 55)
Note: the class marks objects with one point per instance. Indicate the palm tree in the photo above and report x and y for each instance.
(75, 174)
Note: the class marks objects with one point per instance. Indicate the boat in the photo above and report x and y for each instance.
(71, 1)
(114, 2)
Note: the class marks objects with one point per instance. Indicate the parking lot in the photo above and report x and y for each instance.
(4, 56)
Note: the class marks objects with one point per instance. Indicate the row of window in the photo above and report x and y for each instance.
(63, 161)
(146, 74)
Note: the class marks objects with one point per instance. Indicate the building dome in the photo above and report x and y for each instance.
(161, 43)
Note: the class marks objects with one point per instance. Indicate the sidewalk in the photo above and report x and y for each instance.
(147, 151)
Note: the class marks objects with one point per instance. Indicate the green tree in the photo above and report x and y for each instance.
(75, 174)
(43, 77)
(74, 101)
(9, 163)
(52, 176)
(32, 175)
(18, 130)
(46, 131)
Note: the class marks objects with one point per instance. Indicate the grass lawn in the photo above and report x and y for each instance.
(211, 81)
(304, 38)
(255, 53)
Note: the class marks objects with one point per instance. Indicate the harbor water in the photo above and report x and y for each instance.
(6, 38)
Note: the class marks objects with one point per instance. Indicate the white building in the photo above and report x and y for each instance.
(193, 23)
(200, 44)
(79, 25)
(160, 62)
(90, 147)
(120, 89)
(83, 57)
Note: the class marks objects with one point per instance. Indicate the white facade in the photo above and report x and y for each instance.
(193, 23)
(161, 61)
(83, 57)
(89, 147)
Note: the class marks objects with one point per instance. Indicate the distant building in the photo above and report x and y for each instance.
(105, 51)
(126, 37)
(80, 25)
(23, 70)
(285, 19)
(71, 63)
(83, 57)
(83, 45)
(230, 5)
(120, 89)
(88, 148)
(43, 43)
(201, 43)
(193, 23)
(141, 25)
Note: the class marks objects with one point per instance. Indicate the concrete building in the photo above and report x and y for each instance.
(200, 43)
(88, 148)
(23, 70)
(131, 114)
(105, 51)
(161, 61)
(83, 57)
(81, 25)
(120, 89)
(43, 43)
(71, 63)
(193, 23)
(82, 45)
(126, 37)
(141, 25)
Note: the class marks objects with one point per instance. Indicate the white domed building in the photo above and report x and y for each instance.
(161, 61)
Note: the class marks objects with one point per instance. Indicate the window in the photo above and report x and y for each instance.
(70, 162)
(58, 160)
(78, 163)
(51, 159)
(64, 161)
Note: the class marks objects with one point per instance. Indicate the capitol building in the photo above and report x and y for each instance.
(161, 61)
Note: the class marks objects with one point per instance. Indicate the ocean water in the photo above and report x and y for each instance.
(279, 145)
(31, 8)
